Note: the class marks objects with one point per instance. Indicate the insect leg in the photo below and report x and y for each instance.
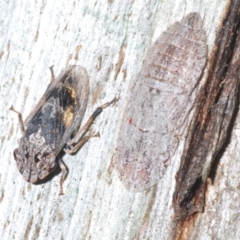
(75, 143)
(61, 163)
(52, 74)
(80, 143)
(20, 120)
(64, 173)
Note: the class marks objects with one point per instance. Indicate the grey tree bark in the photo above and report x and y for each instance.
(110, 39)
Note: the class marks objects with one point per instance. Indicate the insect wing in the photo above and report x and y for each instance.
(79, 91)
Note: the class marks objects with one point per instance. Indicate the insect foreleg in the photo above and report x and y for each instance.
(20, 120)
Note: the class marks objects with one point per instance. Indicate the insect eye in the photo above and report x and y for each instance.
(36, 158)
(45, 155)
(15, 154)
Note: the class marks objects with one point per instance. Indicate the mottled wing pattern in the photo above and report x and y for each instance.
(51, 123)
(79, 89)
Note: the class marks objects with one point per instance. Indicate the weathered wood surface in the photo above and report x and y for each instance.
(108, 38)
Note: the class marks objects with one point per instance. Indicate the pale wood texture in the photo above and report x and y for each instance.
(109, 38)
